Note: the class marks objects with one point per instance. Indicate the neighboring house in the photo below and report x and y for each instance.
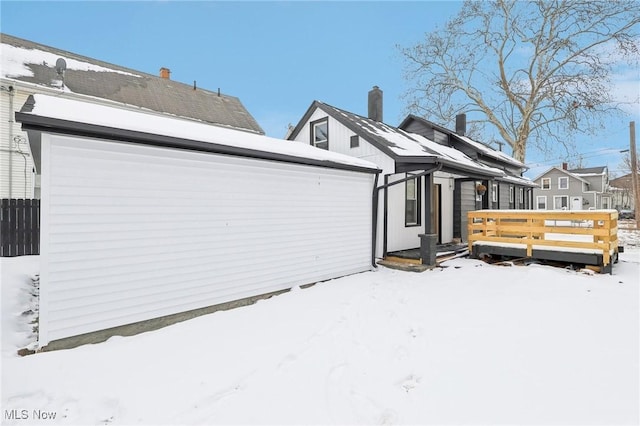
(147, 216)
(622, 192)
(577, 189)
(27, 68)
(426, 187)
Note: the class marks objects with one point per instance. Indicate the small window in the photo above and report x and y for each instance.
(606, 202)
(512, 193)
(494, 192)
(320, 133)
(561, 202)
(355, 141)
(546, 183)
(412, 202)
(541, 202)
(521, 191)
(563, 183)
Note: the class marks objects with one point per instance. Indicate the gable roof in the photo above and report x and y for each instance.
(406, 148)
(34, 63)
(567, 172)
(479, 147)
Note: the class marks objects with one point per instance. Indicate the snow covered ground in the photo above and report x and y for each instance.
(470, 343)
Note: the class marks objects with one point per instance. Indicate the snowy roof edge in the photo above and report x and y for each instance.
(51, 114)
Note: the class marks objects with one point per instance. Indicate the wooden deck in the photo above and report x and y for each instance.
(588, 237)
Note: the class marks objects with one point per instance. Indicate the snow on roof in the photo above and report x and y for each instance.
(405, 144)
(519, 180)
(15, 60)
(453, 155)
(490, 151)
(102, 115)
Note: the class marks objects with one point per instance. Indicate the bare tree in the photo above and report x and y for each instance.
(625, 164)
(534, 72)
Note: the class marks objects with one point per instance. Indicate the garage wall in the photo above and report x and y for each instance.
(133, 232)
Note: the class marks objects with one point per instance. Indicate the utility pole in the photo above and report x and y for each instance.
(634, 169)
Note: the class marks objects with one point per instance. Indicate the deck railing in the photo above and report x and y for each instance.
(588, 231)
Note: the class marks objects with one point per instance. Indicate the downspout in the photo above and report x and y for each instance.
(387, 185)
(11, 93)
(374, 226)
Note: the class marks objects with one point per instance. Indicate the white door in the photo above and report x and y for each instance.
(576, 203)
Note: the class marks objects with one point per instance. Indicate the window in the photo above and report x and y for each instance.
(563, 183)
(521, 197)
(355, 141)
(561, 202)
(541, 202)
(412, 202)
(545, 183)
(320, 133)
(606, 202)
(512, 193)
(494, 192)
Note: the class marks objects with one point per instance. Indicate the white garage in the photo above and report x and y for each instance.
(145, 216)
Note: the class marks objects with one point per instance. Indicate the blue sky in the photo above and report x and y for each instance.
(277, 57)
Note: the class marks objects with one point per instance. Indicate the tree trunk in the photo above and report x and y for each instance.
(519, 149)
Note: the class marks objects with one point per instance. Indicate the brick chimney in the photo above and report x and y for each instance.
(165, 73)
(375, 104)
(461, 124)
(564, 166)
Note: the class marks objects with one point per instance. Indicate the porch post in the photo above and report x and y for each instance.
(428, 239)
(428, 204)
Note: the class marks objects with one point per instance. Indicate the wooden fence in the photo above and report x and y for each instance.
(19, 227)
(588, 236)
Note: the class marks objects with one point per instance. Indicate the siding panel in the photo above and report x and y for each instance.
(137, 232)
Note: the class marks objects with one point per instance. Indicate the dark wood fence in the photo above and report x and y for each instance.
(19, 227)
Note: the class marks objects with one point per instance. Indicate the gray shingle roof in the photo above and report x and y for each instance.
(134, 88)
(589, 170)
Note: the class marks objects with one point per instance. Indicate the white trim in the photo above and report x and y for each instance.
(45, 191)
(542, 188)
(560, 207)
(563, 179)
(538, 198)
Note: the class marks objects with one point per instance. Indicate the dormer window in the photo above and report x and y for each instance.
(320, 133)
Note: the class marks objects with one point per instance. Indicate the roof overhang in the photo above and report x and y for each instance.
(36, 124)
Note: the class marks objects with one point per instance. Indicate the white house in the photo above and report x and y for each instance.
(147, 217)
(426, 187)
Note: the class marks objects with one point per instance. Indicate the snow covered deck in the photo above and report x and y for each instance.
(588, 237)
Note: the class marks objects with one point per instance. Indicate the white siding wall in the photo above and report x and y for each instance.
(340, 141)
(399, 236)
(16, 169)
(446, 183)
(134, 232)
